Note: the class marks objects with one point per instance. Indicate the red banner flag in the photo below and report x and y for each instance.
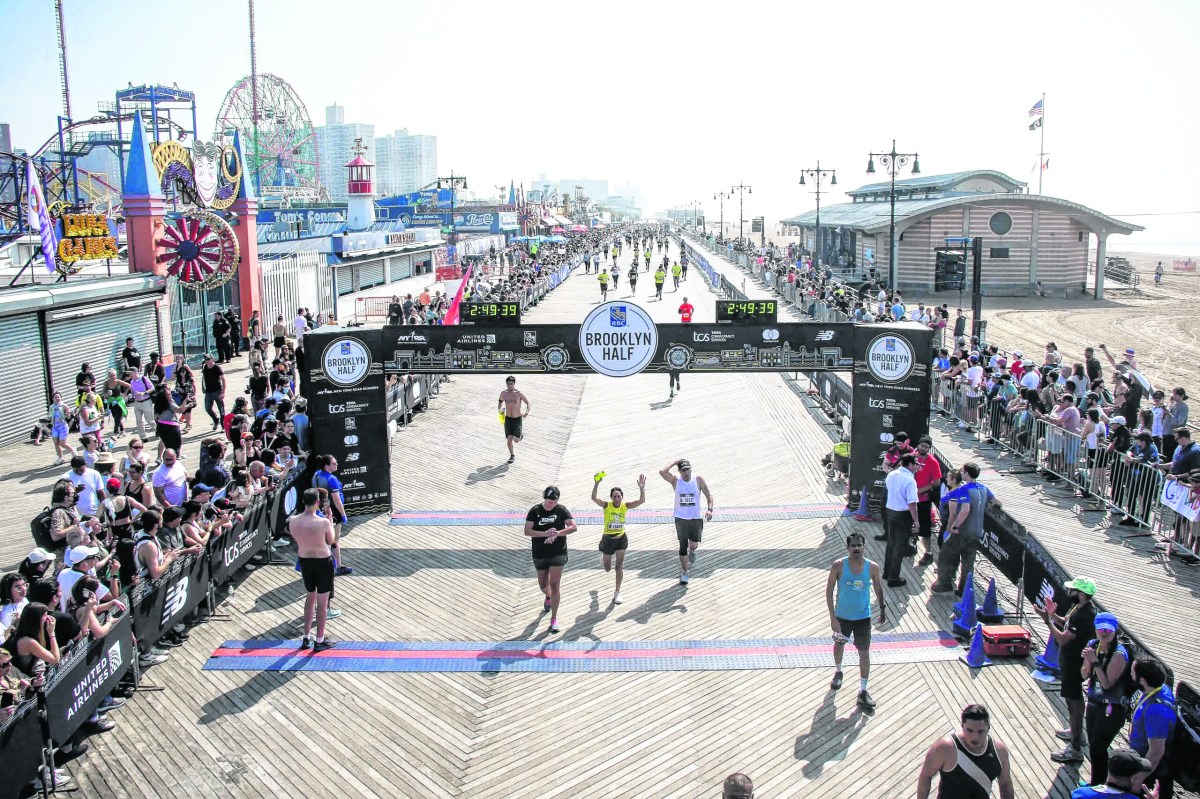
(452, 311)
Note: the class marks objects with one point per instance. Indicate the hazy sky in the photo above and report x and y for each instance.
(680, 99)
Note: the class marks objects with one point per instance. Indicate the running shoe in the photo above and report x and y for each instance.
(103, 724)
(1069, 754)
(1063, 735)
(111, 703)
(342, 571)
(865, 701)
(61, 778)
(836, 682)
(554, 625)
(617, 598)
(321, 646)
(691, 557)
(152, 660)
(683, 578)
(306, 643)
(546, 605)
(333, 613)
(511, 458)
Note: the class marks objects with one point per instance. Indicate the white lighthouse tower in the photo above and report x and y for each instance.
(360, 213)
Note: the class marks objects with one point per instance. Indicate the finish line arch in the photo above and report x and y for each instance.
(347, 370)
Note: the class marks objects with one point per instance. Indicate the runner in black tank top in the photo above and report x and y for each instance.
(967, 762)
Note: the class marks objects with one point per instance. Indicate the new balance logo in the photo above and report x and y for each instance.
(176, 599)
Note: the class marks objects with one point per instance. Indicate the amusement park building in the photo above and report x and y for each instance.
(1027, 239)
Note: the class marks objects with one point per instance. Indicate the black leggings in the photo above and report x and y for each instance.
(1102, 729)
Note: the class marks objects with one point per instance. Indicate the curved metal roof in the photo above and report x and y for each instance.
(872, 217)
(945, 182)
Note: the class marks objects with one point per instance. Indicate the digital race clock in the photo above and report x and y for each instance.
(748, 311)
(490, 313)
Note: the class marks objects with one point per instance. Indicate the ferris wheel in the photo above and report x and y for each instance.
(281, 156)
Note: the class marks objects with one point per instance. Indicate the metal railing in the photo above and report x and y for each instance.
(1122, 482)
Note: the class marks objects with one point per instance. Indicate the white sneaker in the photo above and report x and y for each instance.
(58, 462)
(964, 426)
(61, 778)
(617, 598)
(683, 578)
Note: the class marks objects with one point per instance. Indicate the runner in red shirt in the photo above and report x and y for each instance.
(685, 311)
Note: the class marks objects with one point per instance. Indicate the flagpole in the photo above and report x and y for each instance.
(1042, 146)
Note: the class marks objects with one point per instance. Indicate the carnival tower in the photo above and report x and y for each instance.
(360, 211)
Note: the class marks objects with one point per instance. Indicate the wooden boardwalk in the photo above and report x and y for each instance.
(578, 735)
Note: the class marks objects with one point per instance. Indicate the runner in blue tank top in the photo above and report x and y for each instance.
(850, 616)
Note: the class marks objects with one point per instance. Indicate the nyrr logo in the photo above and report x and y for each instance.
(176, 599)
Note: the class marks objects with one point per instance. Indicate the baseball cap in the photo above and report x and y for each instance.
(39, 555)
(685, 465)
(1018, 354)
(208, 356)
(113, 484)
(1117, 419)
(1107, 621)
(82, 552)
(1129, 351)
(172, 514)
(551, 492)
(199, 488)
(1126, 763)
(1084, 585)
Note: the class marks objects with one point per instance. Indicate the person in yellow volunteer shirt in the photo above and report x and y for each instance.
(614, 541)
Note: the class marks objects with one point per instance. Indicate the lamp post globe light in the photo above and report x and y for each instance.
(453, 182)
(818, 175)
(893, 162)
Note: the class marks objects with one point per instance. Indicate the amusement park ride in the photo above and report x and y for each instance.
(276, 136)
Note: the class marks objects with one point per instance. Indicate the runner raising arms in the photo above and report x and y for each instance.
(549, 524)
(510, 403)
(689, 526)
(614, 541)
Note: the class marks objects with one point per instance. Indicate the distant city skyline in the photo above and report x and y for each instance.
(772, 92)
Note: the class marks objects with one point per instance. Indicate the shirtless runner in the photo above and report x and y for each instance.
(314, 536)
(510, 402)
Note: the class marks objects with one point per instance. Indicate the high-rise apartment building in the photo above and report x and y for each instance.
(405, 163)
(335, 143)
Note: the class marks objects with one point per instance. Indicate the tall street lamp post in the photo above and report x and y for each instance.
(893, 162)
(454, 182)
(818, 175)
(742, 191)
(722, 196)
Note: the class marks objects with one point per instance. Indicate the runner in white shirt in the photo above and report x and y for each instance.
(688, 523)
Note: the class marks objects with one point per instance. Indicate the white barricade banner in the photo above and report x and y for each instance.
(1178, 497)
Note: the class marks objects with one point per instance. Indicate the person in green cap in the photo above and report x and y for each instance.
(1072, 631)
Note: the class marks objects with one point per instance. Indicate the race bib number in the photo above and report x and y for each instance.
(687, 500)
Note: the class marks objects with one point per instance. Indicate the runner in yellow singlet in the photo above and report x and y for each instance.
(614, 541)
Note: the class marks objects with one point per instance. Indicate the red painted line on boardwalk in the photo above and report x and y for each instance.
(567, 654)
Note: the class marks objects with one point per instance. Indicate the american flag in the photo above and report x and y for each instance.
(1036, 111)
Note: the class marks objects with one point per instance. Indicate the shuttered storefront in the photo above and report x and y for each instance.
(95, 334)
(370, 274)
(22, 380)
(345, 280)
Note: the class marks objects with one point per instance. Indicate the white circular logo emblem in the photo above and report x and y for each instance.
(618, 339)
(346, 362)
(890, 358)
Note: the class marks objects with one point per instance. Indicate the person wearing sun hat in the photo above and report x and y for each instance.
(1109, 686)
(1072, 631)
